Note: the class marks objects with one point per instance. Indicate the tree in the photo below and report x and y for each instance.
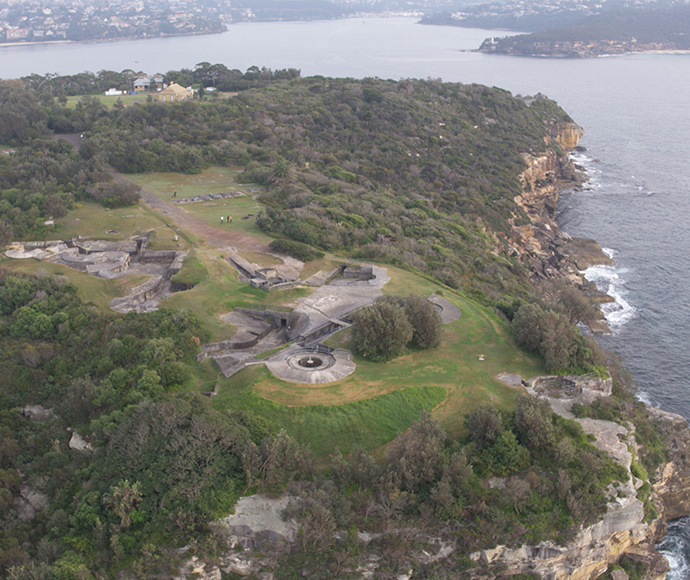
(505, 456)
(282, 172)
(559, 343)
(381, 331)
(485, 425)
(416, 456)
(427, 326)
(516, 491)
(533, 422)
(527, 326)
(276, 461)
(124, 497)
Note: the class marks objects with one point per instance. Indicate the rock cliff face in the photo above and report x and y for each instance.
(256, 535)
(622, 530)
(539, 244)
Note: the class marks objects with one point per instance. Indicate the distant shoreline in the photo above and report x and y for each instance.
(99, 40)
(34, 42)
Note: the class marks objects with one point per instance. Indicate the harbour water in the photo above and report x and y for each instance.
(634, 109)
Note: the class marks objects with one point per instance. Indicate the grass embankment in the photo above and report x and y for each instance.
(369, 423)
(386, 398)
(212, 180)
(193, 271)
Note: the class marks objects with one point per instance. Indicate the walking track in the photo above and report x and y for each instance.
(221, 238)
(215, 236)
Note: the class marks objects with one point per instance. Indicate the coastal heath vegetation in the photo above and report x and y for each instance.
(421, 173)
(432, 168)
(161, 463)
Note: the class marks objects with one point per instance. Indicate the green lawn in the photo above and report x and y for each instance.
(107, 101)
(93, 220)
(212, 180)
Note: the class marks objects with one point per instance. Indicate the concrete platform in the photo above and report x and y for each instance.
(284, 366)
(340, 298)
(449, 312)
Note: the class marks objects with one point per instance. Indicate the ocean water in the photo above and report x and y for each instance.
(634, 109)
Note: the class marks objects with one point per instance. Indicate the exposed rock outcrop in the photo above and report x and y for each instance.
(622, 530)
(539, 244)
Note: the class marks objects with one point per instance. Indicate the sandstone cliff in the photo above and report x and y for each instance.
(623, 530)
(539, 244)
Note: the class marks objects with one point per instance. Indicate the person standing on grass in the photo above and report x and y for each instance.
(221, 219)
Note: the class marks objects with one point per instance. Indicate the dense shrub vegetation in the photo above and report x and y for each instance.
(431, 168)
(550, 333)
(165, 463)
(421, 173)
(384, 329)
(296, 250)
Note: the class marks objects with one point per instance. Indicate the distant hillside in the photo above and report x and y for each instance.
(505, 18)
(610, 33)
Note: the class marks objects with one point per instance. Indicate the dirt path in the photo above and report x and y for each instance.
(215, 236)
(218, 237)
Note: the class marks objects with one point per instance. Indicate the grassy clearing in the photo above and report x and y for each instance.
(369, 423)
(212, 180)
(107, 101)
(221, 292)
(93, 220)
(453, 366)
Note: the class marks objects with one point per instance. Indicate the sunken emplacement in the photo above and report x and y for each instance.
(307, 361)
(310, 362)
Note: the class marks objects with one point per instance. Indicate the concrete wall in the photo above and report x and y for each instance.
(158, 256)
(319, 332)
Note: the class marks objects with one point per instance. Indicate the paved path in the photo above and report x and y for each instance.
(214, 236)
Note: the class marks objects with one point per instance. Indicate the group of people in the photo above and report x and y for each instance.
(223, 219)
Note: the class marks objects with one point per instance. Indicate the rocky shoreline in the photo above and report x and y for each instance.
(548, 252)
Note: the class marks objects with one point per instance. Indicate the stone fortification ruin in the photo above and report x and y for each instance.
(110, 259)
(328, 310)
(316, 317)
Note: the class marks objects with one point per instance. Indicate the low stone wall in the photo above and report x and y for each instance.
(40, 245)
(147, 290)
(241, 341)
(242, 266)
(319, 332)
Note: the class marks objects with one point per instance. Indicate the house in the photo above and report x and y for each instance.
(175, 93)
(158, 82)
(142, 84)
(17, 33)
